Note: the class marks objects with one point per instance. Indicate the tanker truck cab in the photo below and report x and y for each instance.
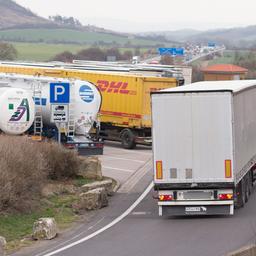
(204, 147)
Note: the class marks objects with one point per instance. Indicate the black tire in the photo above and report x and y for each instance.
(128, 139)
(247, 192)
(241, 196)
(250, 182)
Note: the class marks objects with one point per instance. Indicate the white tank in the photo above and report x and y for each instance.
(85, 98)
(17, 110)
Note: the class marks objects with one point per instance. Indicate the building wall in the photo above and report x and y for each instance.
(219, 77)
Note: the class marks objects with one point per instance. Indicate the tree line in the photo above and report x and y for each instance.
(97, 54)
(7, 51)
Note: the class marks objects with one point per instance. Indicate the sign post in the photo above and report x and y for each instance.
(59, 100)
(171, 51)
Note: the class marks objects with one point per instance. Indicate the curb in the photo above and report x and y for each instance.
(249, 250)
(117, 186)
(136, 177)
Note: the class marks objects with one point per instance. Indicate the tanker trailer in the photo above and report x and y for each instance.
(85, 103)
(17, 110)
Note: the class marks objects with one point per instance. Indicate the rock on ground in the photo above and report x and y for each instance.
(45, 228)
(94, 199)
(90, 168)
(2, 245)
(107, 184)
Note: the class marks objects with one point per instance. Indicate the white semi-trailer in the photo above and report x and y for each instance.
(204, 147)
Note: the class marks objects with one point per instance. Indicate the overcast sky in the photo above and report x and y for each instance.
(150, 15)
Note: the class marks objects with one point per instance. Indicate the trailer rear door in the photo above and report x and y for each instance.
(192, 137)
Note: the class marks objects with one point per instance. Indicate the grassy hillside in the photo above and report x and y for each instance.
(13, 15)
(42, 51)
(69, 36)
(45, 52)
(229, 57)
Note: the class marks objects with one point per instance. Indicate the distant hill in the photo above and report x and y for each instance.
(14, 15)
(18, 24)
(176, 35)
(239, 37)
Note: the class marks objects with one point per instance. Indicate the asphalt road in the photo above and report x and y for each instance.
(143, 233)
(120, 163)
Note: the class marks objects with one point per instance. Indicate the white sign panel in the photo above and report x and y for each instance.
(59, 113)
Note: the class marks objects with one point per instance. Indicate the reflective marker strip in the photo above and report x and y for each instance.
(228, 169)
(159, 170)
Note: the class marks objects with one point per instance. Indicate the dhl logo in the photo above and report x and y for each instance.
(114, 87)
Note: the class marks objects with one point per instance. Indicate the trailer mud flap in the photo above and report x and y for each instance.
(182, 210)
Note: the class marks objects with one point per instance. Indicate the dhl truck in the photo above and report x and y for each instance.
(125, 112)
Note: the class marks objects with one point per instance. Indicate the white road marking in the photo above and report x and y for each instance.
(117, 169)
(140, 213)
(125, 159)
(132, 151)
(73, 238)
(135, 177)
(111, 224)
(91, 227)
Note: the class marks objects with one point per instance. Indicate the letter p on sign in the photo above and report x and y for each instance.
(59, 92)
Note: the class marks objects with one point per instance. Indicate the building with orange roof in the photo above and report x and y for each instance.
(224, 72)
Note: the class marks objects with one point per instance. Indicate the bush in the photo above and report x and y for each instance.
(25, 167)
(7, 51)
(22, 173)
(61, 163)
(65, 56)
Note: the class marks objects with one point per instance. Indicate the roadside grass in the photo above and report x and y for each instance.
(80, 181)
(16, 227)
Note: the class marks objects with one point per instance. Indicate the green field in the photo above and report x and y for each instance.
(42, 51)
(228, 57)
(71, 36)
(45, 52)
(44, 44)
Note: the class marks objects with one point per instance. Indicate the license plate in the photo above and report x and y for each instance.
(195, 209)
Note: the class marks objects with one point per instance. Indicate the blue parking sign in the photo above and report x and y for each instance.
(59, 92)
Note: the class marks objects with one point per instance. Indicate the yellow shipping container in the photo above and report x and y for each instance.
(125, 98)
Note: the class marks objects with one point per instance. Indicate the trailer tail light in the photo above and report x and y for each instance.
(228, 169)
(159, 170)
(165, 198)
(225, 196)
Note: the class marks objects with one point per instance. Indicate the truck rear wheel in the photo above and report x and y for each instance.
(247, 187)
(250, 182)
(241, 194)
(128, 139)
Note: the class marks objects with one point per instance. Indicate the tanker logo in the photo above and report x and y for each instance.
(19, 113)
(86, 93)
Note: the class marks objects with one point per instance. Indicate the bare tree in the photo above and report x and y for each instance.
(7, 51)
